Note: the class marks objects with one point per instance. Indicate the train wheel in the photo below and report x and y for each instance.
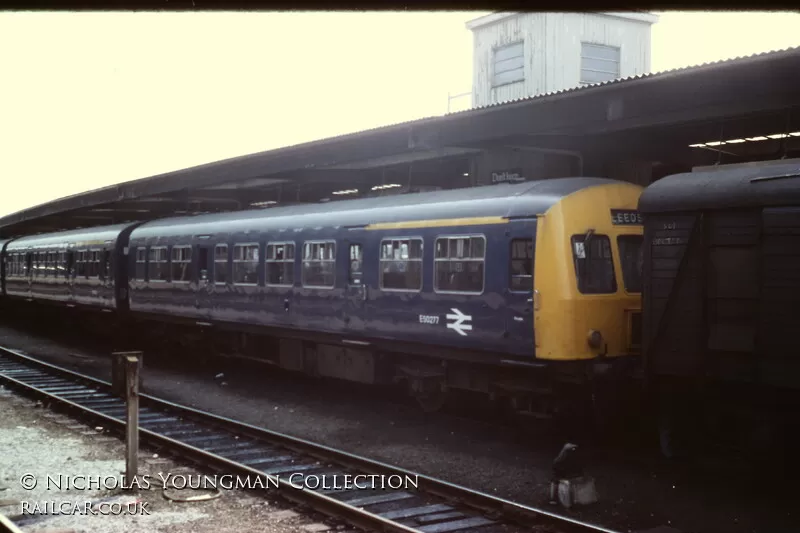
(430, 402)
(430, 394)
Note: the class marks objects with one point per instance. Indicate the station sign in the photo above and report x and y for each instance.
(512, 175)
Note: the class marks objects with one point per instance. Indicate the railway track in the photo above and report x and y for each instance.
(294, 465)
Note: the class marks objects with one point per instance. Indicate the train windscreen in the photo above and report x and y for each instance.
(593, 264)
(630, 256)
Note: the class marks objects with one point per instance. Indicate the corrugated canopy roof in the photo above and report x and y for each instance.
(667, 110)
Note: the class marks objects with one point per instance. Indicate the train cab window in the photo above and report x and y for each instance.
(221, 263)
(631, 261)
(245, 264)
(355, 265)
(594, 267)
(521, 265)
(280, 263)
(401, 264)
(459, 264)
(157, 266)
(181, 261)
(319, 264)
(141, 263)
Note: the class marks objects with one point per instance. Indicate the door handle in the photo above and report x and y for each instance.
(364, 292)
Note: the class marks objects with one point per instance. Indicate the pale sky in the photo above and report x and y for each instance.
(92, 99)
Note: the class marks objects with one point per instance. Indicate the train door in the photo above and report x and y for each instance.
(69, 272)
(356, 288)
(204, 277)
(29, 272)
(519, 321)
(106, 275)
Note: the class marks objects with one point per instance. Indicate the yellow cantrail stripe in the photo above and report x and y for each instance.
(435, 223)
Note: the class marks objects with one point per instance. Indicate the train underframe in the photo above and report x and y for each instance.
(596, 393)
(578, 393)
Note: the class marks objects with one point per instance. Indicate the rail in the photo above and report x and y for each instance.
(433, 506)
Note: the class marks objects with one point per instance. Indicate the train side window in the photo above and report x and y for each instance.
(319, 264)
(401, 264)
(93, 264)
(459, 264)
(522, 254)
(631, 260)
(141, 263)
(37, 264)
(594, 267)
(280, 263)
(61, 265)
(221, 263)
(157, 266)
(80, 264)
(181, 261)
(245, 264)
(355, 265)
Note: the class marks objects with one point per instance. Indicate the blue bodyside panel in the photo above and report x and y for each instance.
(497, 321)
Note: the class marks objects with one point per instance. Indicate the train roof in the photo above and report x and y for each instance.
(745, 186)
(78, 237)
(509, 200)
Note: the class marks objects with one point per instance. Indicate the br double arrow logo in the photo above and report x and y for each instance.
(459, 319)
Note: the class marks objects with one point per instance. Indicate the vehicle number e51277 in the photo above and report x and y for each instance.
(428, 319)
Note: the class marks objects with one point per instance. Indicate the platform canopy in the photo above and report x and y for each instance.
(730, 111)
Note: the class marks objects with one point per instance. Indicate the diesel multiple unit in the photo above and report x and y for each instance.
(503, 290)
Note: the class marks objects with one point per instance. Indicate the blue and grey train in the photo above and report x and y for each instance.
(504, 290)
